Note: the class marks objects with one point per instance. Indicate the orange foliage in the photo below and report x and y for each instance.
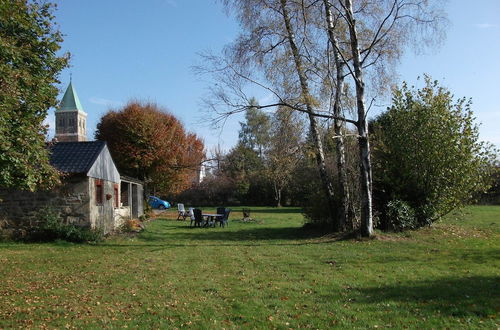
(149, 143)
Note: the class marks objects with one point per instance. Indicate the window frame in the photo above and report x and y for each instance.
(99, 192)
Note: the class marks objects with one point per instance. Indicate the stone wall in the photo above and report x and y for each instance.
(19, 209)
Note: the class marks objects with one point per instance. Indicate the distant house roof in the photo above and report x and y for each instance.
(70, 100)
(75, 157)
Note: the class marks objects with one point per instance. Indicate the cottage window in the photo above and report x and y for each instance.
(99, 192)
(117, 195)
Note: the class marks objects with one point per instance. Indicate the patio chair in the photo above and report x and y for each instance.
(191, 216)
(190, 213)
(182, 212)
(220, 210)
(197, 218)
(225, 218)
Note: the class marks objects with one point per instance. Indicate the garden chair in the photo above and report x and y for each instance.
(190, 213)
(182, 212)
(220, 210)
(197, 218)
(225, 218)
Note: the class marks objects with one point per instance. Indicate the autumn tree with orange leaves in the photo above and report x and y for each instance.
(149, 143)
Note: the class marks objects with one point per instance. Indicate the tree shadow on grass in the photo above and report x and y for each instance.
(236, 211)
(458, 256)
(479, 256)
(457, 297)
(196, 237)
(251, 234)
(276, 210)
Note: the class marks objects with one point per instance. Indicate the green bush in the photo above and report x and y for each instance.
(400, 215)
(427, 152)
(316, 212)
(425, 215)
(51, 228)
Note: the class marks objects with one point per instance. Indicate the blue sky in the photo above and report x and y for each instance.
(145, 50)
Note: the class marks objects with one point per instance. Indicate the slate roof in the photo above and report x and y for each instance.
(75, 157)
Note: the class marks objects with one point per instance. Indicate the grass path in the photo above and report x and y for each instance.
(264, 274)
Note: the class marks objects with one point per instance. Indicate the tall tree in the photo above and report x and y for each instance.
(378, 32)
(365, 168)
(254, 132)
(29, 70)
(268, 50)
(284, 152)
(309, 103)
(338, 86)
(149, 143)
(244, 166)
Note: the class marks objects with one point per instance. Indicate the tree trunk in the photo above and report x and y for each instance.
(306, 95)
(278, 197)
(363, 142)
(343, 214)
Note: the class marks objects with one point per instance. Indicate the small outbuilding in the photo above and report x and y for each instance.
(92, 193)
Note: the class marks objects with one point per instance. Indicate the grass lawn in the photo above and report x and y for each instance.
(263, 274)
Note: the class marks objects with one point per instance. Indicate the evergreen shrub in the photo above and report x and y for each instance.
(51, 227)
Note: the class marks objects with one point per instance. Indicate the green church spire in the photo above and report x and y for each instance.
(70, 100)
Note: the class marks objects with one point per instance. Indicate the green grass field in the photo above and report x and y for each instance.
(263, 274)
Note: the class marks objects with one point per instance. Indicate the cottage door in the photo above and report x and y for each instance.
(108, 211)
(104, 206)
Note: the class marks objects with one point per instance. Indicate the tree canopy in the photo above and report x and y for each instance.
(283, 154)
(149, 143)
(29, 70)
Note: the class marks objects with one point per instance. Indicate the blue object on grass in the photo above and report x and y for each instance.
(157, 203)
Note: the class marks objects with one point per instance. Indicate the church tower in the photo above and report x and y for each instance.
(71, 120)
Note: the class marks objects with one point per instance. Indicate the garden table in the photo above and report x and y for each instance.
(211, 218)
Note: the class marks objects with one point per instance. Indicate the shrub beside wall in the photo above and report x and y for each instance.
(51, 227)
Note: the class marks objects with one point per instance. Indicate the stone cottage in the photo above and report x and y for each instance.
(92, 192)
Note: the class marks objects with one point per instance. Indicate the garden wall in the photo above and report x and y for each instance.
(19, 209)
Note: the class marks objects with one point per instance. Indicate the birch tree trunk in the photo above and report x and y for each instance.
(277, 195)
(343, 214)
(363, 142)
(306, 95)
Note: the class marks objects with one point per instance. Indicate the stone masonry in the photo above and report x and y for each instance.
(19, 209)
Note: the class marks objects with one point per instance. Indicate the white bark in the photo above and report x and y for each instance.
(364, 144)
(307, 99)
(343, 215)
